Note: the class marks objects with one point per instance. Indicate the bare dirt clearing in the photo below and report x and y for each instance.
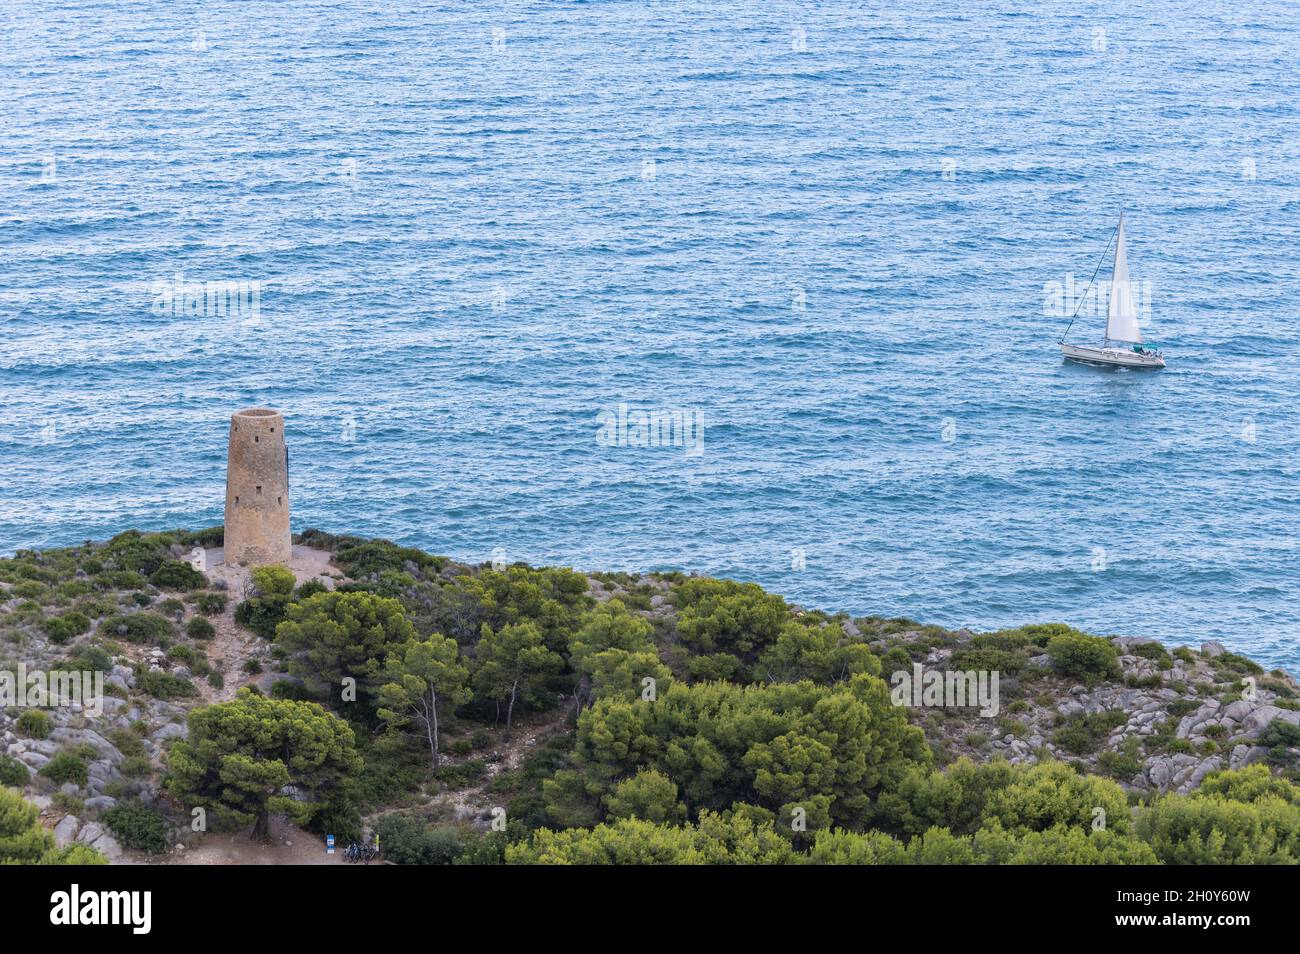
(237, 848)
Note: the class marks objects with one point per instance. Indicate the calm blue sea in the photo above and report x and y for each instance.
(828, 231)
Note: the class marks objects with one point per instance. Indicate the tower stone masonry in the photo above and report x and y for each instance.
(257, 490)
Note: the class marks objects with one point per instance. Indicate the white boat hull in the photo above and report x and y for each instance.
(1112, 357)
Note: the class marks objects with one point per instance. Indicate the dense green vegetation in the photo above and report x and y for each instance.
(137, 826)
(649, 719)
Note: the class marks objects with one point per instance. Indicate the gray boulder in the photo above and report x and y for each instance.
(1255, 723)
(1243, 755)
(1212, 764)
(33, 760)
(65, 832)
(1160, 772)
(107, 846)
(172, 730)
(1239, 710)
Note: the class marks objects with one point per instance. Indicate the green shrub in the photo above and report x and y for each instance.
(1228, 664)
(120, 580)
(1040, 634)
(1008, 726)
(30, 590)
(1121, 765)
(12, 772)
(72, 589)
(310, 588)
(895, 660)
(1185, 654)
(207, 538)
(137, 826)
(138, 627)
(171, 607)
(96, 606)
(210, 604)
(1278, 737)
(67, 766)
(200, 628)
(265, 609)
(1083, 733)
(71, 624)
(137, 552)
(175, 575)
(483, 848)
(187, 655)
(1149, 681)
(91, 657)
(408, 842)
(35, 724)
(162, 685)
(389, 583)
(989, 659)
(360, 558)
(1090, 658)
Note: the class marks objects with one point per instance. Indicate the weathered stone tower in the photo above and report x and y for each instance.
(257, 490)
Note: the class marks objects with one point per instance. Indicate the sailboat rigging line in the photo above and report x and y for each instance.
(1090, 281)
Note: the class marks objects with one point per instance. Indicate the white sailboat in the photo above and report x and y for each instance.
(1122, 346)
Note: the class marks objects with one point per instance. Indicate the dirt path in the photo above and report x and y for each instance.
(302, 848)
(476, 802)
(233, 645)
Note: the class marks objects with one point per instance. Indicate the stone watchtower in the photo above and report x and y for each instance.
(257, 490)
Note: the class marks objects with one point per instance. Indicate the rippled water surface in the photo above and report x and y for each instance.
(826, 228)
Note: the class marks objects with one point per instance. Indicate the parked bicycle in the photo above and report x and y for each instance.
(360, 854)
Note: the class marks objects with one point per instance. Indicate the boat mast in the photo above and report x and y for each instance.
(1119, 245)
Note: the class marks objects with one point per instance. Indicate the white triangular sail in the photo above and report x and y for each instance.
(1121, 319)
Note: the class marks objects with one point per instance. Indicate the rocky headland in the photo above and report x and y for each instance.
(172, 627)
